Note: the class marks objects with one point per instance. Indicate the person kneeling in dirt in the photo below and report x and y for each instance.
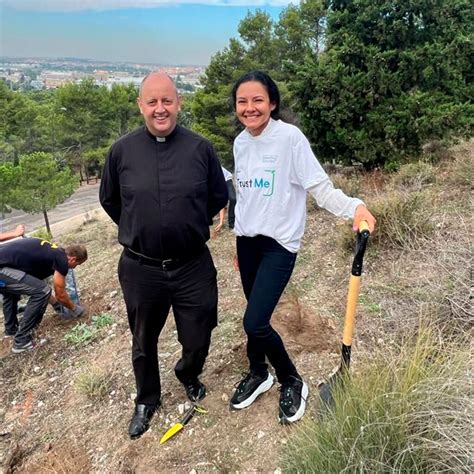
(24, 264)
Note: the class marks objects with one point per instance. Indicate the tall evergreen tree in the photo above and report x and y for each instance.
(7, 185)
(85, 121)
(394, 75)
(41, 185)
(257, 48)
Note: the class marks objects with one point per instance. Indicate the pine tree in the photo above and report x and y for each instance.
(394, 75)
(41, 184)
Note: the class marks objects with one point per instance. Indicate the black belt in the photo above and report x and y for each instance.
(166, 264)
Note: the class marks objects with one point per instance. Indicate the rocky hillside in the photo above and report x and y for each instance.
(65, 407)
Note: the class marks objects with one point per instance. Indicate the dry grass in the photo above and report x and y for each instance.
(94, 383)
(462, 170)
(414, 176)
(403, 220)
(351, 185)
(409, 411)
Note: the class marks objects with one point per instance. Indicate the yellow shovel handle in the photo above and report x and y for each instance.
(349, 320)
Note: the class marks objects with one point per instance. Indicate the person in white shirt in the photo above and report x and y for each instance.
(231, 208)
(275, 168)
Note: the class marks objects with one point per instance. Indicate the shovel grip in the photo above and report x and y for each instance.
(361, 244)
(354, 283)
(364, 226)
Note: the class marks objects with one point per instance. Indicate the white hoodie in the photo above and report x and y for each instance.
(273, 173)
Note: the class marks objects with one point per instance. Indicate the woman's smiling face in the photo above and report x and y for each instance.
(253, 106)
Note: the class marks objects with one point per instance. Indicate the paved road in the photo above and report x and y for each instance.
(83, 200)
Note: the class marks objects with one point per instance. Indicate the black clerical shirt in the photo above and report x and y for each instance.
(163, 194)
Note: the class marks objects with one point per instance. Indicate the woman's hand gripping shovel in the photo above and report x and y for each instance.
(177, 427)
(326, 389)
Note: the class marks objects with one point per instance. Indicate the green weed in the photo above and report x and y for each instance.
(371, 306)
(81, 333)
(102, 320)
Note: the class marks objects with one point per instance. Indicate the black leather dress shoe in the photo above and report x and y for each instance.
(140, 421)
(195, 390)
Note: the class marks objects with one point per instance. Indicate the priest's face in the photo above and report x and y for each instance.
(159, 104)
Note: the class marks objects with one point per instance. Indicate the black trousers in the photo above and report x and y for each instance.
(149, 293)
(265, 269)
(232, 201)
(13, 284)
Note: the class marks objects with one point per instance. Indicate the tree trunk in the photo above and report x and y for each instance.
(46, 220)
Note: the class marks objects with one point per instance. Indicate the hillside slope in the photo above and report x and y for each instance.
(65, 407)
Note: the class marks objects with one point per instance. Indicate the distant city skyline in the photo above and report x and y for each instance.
(143, 31)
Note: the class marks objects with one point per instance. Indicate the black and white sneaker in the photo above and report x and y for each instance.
(11, 332)
(22, 347)
(249, 388)
(292, 404)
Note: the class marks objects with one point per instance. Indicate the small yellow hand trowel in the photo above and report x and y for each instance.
(177, 427)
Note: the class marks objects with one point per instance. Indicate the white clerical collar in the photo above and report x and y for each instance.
(160, 139)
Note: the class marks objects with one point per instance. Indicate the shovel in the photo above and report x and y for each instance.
(325, 389)
(177, 427)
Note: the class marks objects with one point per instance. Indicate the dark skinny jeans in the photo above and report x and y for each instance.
(265, 269)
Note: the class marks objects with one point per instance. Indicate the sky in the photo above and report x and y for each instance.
(166, 32)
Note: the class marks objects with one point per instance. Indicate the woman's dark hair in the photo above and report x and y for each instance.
(267, 82)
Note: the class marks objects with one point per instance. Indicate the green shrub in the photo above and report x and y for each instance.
(43, 234)
(414, 176)
(407, 414)
(94, 384)
(392, 166)
(402, 219)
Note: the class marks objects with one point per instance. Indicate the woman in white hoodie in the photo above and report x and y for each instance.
(275, 168)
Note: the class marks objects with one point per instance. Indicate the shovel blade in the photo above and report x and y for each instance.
(325, 394)
(176, 428)
(326, 390)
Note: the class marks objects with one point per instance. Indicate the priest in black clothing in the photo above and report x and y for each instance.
(162, 184)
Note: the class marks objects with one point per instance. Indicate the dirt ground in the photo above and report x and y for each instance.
(49, 425)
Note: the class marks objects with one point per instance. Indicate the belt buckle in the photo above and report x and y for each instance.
(165, 263)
